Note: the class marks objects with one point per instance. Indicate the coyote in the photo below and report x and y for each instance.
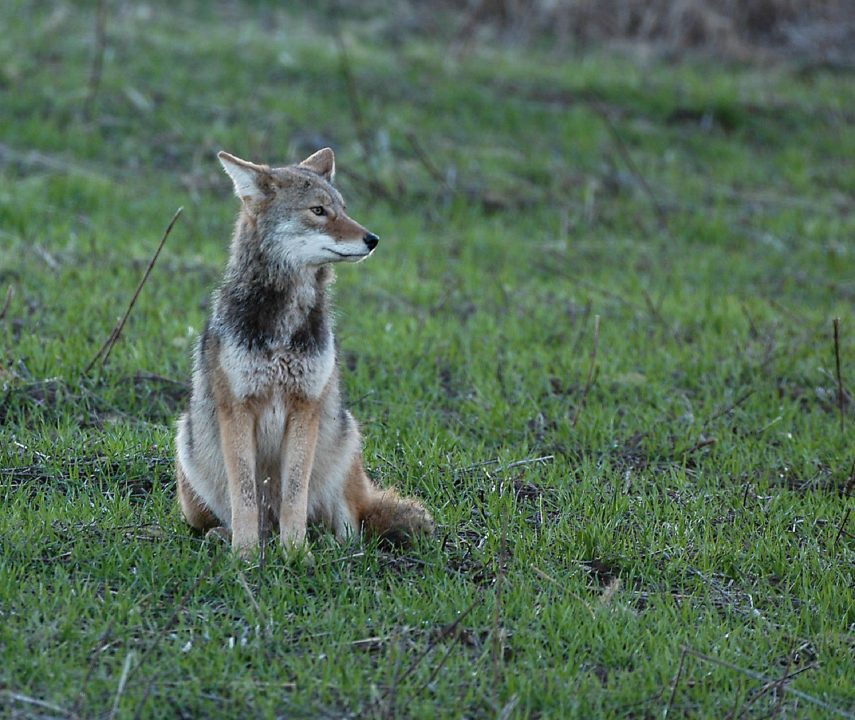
(266, 439)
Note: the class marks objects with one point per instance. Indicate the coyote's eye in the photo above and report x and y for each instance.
(318, 210)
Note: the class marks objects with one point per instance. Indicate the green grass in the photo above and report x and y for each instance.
(697, 501)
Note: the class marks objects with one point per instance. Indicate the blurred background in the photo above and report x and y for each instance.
(725, 28)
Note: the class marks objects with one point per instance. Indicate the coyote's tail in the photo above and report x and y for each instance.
(384, 514)
(398, 520)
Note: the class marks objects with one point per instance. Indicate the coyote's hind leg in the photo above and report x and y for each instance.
(197, 514)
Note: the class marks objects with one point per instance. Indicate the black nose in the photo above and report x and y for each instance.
(371, 240)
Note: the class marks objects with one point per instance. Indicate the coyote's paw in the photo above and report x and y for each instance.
(298, 555)
(245, 549)
(219, 534)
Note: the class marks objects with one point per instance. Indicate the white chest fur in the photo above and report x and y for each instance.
(253, 374)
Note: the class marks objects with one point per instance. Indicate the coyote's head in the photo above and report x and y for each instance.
(299, 216)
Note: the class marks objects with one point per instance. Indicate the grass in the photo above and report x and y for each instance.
(700, 499)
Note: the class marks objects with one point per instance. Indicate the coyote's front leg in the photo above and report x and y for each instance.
(297, 457)
(237, 433)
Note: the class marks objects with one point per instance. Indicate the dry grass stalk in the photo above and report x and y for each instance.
(104, 352)
(841, 393)
(590, 381)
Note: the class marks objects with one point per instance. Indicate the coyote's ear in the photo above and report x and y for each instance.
(249, 179)
(322, 162)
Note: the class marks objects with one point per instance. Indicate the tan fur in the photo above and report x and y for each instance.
(297, 457)
(266, 440)
(237, 435)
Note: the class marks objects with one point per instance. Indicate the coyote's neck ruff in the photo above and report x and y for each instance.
(262, 311)
(266, 438)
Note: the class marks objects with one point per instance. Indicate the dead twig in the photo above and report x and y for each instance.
(248, 590)
(10, 293)
(411, 668)
(27, 700)
(263, 488)
(795, 316)
(97, 67)
(850, 482)
(390, 710)
(763, 678)
(779, 686)
(444, 633)
(497, 641)
(545, 576)
(126, 671)
(763, 689)
(509, 708)
(104, 353)
(352, 556)
(842, 528)
(375, 187)
(36, 159)
(428, 164)
(165, 629)
(700, 445)
(178, 609)
(653, 308)
(590, 381)
(754, 332)
(155, 378)
(732, 406)
(585, 315)
(558, 269)
(99, 646)
(841, 397)
(649, 307)
(529, 461)
(658, 207)
(503, 468)
(352, 94)
(675, 682)
(433, 673)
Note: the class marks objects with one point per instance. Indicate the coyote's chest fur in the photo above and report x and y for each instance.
(276, 373)
(276, 337)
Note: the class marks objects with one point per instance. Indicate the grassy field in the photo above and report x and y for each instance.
(596, 339)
